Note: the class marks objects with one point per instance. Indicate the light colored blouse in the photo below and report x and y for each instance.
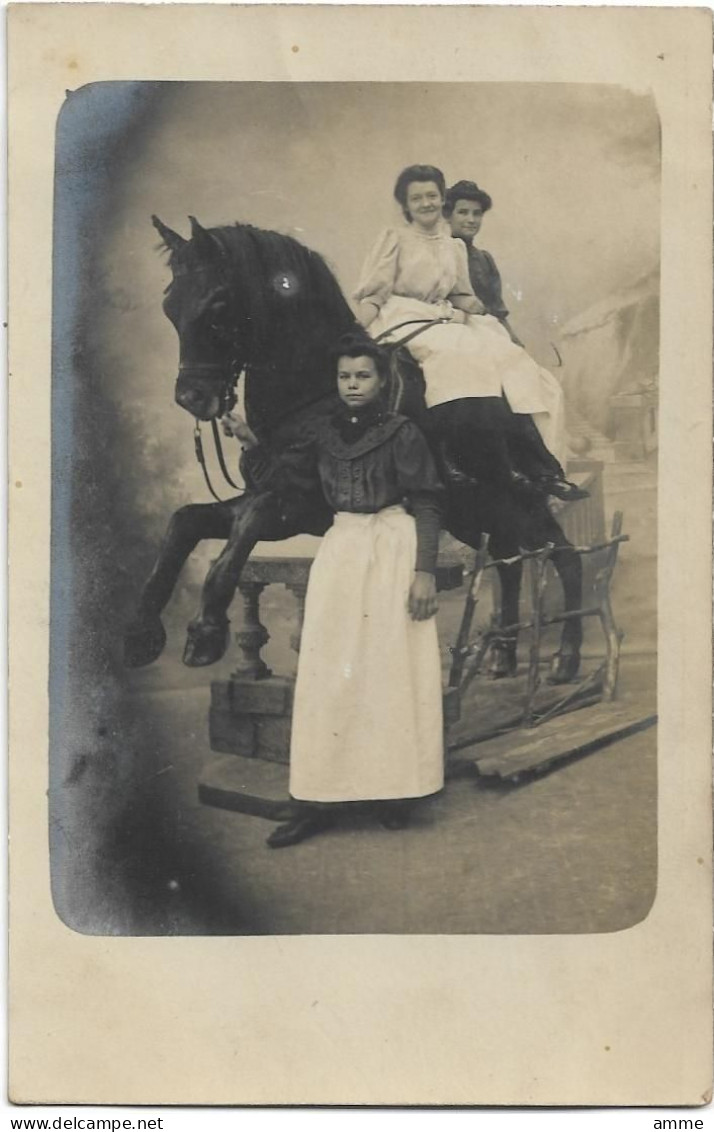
(414, 265)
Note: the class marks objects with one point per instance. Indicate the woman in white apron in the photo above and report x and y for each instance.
(367, 715)
(417, 272)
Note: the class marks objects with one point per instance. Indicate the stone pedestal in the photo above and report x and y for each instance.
(252, 718)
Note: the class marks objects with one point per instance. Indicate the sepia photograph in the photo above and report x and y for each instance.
(331, 324)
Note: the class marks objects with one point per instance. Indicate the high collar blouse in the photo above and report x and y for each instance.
(385, 464)
(414, 265)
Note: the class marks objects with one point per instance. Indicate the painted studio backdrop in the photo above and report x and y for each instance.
(574, 173)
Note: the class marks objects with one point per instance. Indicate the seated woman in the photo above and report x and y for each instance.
(543, 404)
(419, 272)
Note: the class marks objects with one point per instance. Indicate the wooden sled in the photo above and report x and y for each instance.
(549, 725)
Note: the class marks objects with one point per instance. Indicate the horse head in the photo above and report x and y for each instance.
(201, 302)
(243, 299)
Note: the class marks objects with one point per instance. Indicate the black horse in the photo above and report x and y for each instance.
(249, 301)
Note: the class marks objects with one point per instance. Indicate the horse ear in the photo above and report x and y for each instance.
(201, 237)
(172, 239)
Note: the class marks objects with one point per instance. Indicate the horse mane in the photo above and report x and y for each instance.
(291, 289)
(296, 311)
(288, 307)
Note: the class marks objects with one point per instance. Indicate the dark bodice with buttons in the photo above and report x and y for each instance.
(365, 469)
(389, 462)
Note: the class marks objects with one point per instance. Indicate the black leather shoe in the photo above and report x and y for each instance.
(299, 829)
(451, 471)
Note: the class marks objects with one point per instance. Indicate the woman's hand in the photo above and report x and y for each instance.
(422, 596)
(234, 425)
(471, 305)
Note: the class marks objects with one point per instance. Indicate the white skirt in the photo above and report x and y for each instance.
(367, 717)
(478, 359)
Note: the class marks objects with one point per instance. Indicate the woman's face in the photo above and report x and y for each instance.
(424, 203)
(466, 219)
(358, 381)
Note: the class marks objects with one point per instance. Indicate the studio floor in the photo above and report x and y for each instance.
(573, 851)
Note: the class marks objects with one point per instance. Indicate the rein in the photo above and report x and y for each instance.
(201, 458)
(422, 323)
(221, 457)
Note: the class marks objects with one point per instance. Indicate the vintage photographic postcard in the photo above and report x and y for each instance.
(320, 318)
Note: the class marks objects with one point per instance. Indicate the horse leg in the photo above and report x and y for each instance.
(565, 663)
(145, 637)
(503, 660)
(207, 637)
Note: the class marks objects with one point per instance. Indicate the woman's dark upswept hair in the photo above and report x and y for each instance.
(357, 344)
(414, 173)
(466, 190)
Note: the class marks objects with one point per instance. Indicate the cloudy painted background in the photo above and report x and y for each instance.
(574, 174)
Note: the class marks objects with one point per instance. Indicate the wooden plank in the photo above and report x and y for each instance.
(562, 737)
(246, 786)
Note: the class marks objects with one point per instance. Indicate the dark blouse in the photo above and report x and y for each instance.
(365, 466)
(486, 281)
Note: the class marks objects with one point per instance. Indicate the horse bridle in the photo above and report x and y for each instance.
(228, 400)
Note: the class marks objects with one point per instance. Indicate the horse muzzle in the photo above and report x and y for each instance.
(203, 394)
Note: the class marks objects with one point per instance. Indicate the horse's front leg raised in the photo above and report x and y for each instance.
(258, 519)
(145, 637)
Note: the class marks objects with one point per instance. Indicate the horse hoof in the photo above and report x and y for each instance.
(143, 642)
(503, 660)
(206, 643)
(564, 667)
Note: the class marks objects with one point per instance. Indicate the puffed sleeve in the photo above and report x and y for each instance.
(419, 480)
(463, 280)
(380, 268)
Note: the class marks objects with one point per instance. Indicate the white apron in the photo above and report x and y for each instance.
(367, 717)
(478, 359)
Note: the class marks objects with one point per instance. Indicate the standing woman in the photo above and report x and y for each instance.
(367, 716)
(418, 271)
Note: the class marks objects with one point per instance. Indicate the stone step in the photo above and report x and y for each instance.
(246, 786)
